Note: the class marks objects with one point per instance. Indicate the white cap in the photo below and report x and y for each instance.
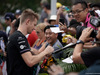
(53, 17)
(56, 30)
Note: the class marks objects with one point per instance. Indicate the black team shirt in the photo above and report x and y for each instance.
(17, 45)
(91, 56)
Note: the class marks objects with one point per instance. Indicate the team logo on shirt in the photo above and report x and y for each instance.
(20, 38)
(22, 46)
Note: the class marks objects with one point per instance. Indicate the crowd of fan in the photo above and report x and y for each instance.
(24, 43)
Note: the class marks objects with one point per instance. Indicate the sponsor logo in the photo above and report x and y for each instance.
(21, 42)
(19, 38)
(22, 46)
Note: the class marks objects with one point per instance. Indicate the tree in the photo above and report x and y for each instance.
(12, 5)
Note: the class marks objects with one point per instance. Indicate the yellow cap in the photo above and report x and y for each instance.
(58, 5)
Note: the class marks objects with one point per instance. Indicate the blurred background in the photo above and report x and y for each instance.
(13, 5)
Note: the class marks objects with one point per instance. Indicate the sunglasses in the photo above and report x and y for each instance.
(77, 11)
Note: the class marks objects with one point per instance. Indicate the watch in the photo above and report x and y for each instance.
(80, 41)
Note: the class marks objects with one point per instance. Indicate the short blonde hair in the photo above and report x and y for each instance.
(28, 13)
(41, 26)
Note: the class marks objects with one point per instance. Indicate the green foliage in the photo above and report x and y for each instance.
(70, 67)
(43, 74)
(68, 52)
(12, 5)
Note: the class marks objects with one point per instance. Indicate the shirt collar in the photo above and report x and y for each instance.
(87, 18)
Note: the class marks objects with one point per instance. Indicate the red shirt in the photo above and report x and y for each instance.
(32, 38)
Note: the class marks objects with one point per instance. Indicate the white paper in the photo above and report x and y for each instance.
(56, 30)
(68, 60)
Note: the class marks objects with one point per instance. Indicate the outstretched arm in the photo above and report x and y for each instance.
(31, 60)
(78, 48)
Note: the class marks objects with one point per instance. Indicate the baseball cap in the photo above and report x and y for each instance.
(9, 16)
(58, 5)
(18, 12)
(53, 17)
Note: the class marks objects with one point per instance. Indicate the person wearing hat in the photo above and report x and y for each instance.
(52, 19)
(9, 17)
(18, 13)
(58, 5)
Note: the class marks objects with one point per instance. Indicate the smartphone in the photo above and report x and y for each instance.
(61, 20)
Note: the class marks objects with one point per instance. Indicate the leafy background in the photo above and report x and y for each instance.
(12, 5)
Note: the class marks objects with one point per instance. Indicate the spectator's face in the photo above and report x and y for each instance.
(31, 26)
(8, 21)
(39, 32)
(51, 37)
(70, 16)
(53, 22)
(17, 16)
(79, 13)
(72, 30)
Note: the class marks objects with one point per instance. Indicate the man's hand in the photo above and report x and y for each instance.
(49, 50)
(60, 11)
(55, 70)
(85, 34)
(34, 51)
(12, 24)
(71, 40)
(63, 27)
